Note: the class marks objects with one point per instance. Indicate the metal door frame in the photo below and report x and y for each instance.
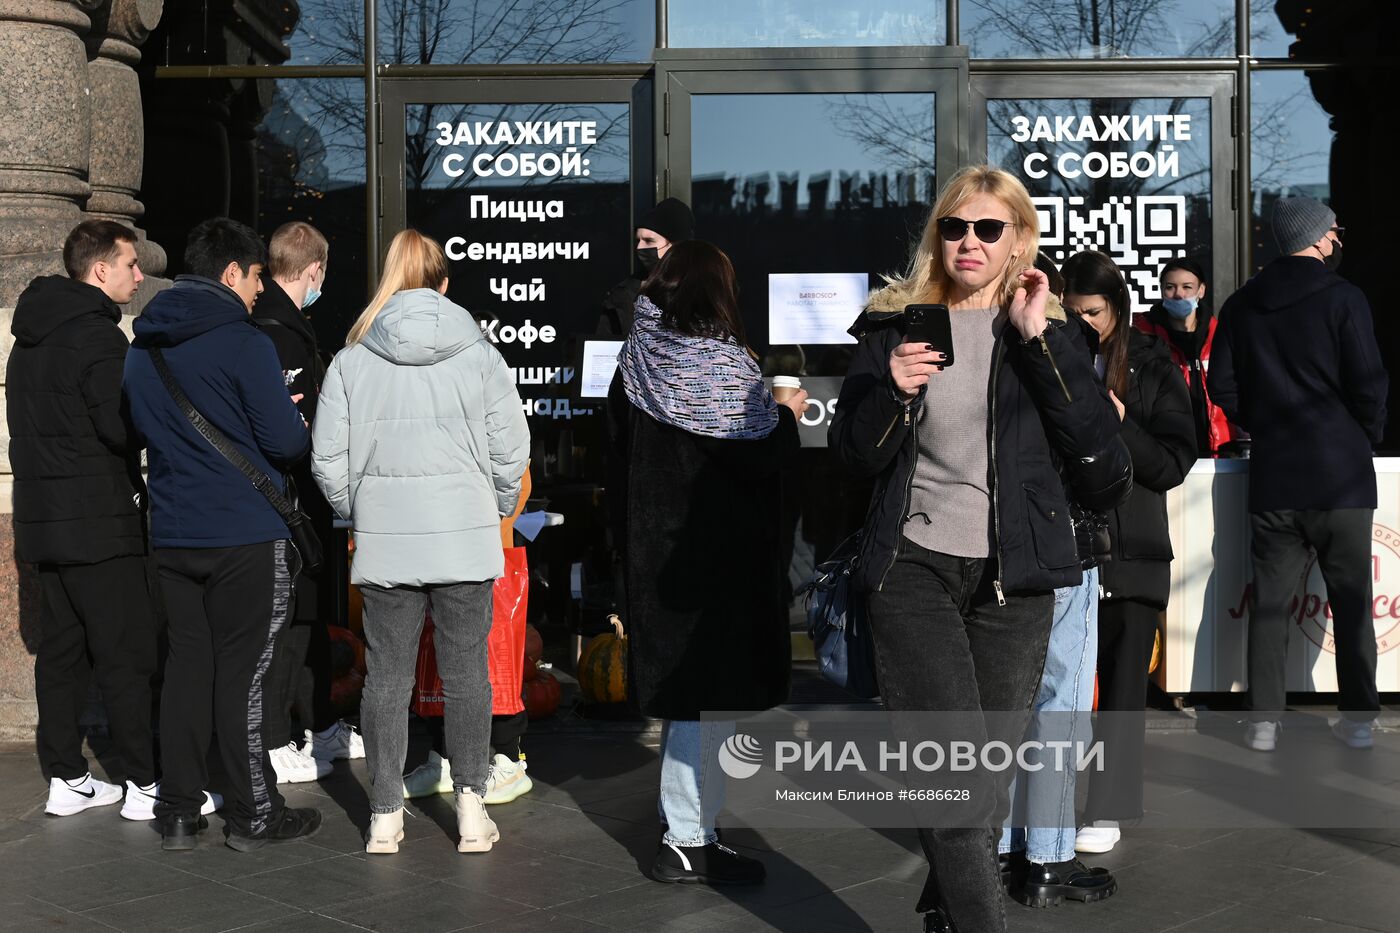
(680, 73)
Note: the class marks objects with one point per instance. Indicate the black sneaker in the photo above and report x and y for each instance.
(711, 864)
(291, 823)
(1049, 884)
(1013, 867)
(178, 833)
(936, 921)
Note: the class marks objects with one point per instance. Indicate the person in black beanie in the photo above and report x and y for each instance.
(667, 223)
(1296, 364)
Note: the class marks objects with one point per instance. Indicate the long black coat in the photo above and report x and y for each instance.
(1160, 431)
(697, 520)
(77, 482)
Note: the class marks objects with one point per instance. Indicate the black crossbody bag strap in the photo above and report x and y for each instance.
(260, 480)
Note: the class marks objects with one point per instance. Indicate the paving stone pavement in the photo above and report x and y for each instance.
(574, 850)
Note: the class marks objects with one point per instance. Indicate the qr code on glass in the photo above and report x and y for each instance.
(1139, 232)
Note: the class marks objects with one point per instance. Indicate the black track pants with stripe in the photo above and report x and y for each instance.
(226, 607)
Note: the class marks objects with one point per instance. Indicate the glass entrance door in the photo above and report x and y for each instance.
(1141, 168)
(815, 171)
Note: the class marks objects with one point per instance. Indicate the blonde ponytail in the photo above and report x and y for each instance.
(414, 261)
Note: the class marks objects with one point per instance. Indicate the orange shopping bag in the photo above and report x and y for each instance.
(505, 647)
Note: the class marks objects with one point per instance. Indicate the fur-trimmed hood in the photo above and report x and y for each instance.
(888, 303)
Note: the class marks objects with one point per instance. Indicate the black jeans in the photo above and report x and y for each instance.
(300, 681)
(943, 644)
(226, 607)
(96, 619)
(1127, 629)
(1279, 547)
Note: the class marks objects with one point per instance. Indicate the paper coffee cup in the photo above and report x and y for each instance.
(785, 387)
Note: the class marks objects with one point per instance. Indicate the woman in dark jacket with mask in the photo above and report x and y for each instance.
(969, 530)
(1185, 324)
(668, 223)
(1152, 399)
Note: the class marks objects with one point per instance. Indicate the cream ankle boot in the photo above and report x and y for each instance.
(477, 830)
(385, 833)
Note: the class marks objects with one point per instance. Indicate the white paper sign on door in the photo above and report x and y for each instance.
(815, 308)
(599, 364)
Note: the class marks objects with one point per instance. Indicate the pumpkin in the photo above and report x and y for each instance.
(602, 669)
(534, 642)
(542, 696)
(532, 668)
(347, 651)
(345, 692)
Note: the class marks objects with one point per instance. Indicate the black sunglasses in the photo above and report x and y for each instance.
(954, 229)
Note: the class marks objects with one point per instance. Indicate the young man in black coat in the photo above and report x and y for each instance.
(1297, 365)
(297, 257)
(78, 516)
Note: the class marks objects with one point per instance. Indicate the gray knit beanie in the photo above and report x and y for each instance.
(1300, 222)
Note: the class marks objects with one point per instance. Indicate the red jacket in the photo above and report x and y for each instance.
(1218, 428)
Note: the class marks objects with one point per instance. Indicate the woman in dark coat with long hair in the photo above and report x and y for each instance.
(1152, 399)
(699, 446)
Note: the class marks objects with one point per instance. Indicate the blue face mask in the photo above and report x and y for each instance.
(312, 294)
(1180, 308)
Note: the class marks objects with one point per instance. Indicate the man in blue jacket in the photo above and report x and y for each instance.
(226, 565)
(1296, 364)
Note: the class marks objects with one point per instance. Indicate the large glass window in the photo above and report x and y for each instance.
(308, 32)
(263, 153)
(1290, 150)
(810, 183)
(1098, 28)
(783, 23)
(1130, 177)
(484, 32)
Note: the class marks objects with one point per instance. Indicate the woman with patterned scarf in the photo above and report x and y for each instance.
(699, 447)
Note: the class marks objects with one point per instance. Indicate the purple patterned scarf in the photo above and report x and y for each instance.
(702, 385)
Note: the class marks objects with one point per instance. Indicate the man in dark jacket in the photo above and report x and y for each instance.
(226, 565)
(666, 224)
(301, 669)
(77, 515)
(1296, 364)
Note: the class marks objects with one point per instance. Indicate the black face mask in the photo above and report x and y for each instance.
(648, 258)
(1333, 259)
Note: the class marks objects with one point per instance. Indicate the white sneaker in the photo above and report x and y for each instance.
(342, 744)
(296, 766)
(69, 797)
(385, 833)
(1353, 734)
(1262, 736)
(434, 777)
(477, 830)
(506, 780)
(140, 802)
(1098, 837)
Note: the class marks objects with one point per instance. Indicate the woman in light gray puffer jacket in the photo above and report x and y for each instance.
(421, 443)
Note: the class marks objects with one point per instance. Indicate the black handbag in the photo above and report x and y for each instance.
(837, 625)
(303, 536)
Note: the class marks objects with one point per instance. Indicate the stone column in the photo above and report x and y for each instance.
(44, 135)
(118, 139)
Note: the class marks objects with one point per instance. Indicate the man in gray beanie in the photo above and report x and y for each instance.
(1296, 364)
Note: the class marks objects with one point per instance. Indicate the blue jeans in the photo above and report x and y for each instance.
(692, 784)
(1042, 812)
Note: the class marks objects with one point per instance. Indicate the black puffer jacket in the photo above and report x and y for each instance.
(1046, 407)
(1160, 432)
(76, 482)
